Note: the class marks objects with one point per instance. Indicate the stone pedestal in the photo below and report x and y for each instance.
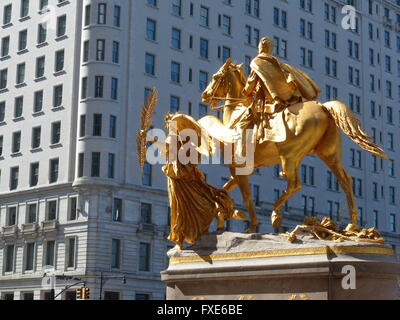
(236, 266)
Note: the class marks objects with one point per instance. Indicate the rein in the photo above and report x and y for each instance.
(220, 107)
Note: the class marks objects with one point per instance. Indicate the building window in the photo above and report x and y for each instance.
(42, 33)
(112, 133)
(144, 257)
(16, 142)
(97, 124)
(306, 5)
(330, 40)
(50, 253)
(21, 73)
(202, 110)
(115, 52)
(151, 29)
(117, 210)
(7, 296)
(392, 195)
(3, 79)
(87, 14)
(2, 111)
(307, 57)
(7, 14)
(61, 25)
(9, 259)
(29, 256)
(85, 51)
(226, 53)
(82, 126)
(177, 7)
(176, 38)
(84, 88)
(71, 247)
(390, 141)
(11, 216)
(57, 96)
(32, 213)
(111, 166)
(14, 173)
(24, 8)
(147, 172)
(5, 46)
(150, 64)
(174, 104)
(175, 72)
(115, 253)
(95, 164)
(142, 296)
(226, 25)
(330, 13)
(203, 80)
(111, 295)
(40, 65)
(204, 16)
(145, 213)
(114, 88)
(51, 210)
(391, 168)
(308, 205)
(392, 222)
(54, 168)
(102, 13)
(117, 16)
(203, 48)
(27, 296)
(18, 108)
(306, 29)
(280, 18)
(55, 132)
(99, 87)
(81, 161)
(34, 174)
(73, 207)
(70, 295)
(100, 50)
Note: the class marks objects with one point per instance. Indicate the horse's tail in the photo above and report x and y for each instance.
(346, 120)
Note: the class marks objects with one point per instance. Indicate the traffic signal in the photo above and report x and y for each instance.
(86, 292)
(79, 293)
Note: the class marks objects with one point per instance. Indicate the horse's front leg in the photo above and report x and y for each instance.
(243, 182)
(291, 173)
(230, 185)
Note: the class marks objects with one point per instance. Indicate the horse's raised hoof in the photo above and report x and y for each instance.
(352, 228)
(276, 220)
(239, 215)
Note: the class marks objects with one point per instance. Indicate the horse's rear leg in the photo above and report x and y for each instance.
(345, 181)
(290, 170)
(243, 182)
(330, 152)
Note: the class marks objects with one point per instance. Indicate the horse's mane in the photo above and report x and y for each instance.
(242, 75)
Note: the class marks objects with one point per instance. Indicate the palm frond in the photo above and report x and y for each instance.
(145, 124)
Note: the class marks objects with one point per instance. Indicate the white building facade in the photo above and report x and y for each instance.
(73, 78)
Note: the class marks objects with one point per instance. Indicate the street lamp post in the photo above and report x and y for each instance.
(103, 279)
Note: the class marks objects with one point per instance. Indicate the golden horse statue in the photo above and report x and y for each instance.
(311, 128)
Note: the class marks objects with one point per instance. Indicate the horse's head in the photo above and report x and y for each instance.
(229, 80)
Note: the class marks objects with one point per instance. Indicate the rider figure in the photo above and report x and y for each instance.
(275, 84)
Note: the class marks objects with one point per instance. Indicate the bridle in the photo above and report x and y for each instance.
(215, 89)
